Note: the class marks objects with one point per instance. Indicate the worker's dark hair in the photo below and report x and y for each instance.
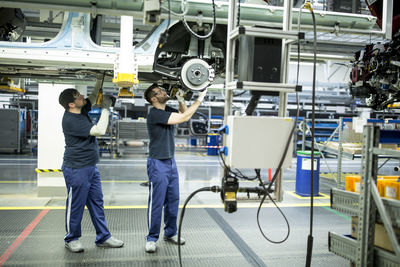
(149, 93)
(67, 96)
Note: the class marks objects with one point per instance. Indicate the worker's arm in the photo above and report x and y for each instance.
(99, 84)
(182, 107)
(176, 118)
(181, 100)
(101, 126)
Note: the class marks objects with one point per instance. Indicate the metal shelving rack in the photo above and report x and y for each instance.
(288, 36)
(339, 152)
(370, 208)
(131, 130)
(342, 154)
(338, 132)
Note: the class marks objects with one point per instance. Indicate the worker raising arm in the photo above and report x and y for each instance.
(81, 175)
(161, 165)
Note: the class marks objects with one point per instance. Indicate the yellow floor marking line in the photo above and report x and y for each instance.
(17, 182)
(194, 206)
(127, 181)
(33, 208)
(330, 175)
(323, 196)
(123, 181)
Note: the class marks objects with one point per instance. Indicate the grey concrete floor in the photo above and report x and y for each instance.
(122, 189)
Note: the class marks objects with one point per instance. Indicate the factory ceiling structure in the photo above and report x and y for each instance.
(81, 54)
(64, 41)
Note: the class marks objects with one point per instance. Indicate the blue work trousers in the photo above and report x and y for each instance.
(163, 193)
(84, 188)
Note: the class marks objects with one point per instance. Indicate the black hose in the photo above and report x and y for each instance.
(283, 215)
(212, 189)
(310, 236)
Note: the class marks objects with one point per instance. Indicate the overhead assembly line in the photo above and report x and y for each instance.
(258, 132)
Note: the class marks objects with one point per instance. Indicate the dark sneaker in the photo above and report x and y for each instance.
(111, 243)
(151, 247)
(174, 239)
(74, 246)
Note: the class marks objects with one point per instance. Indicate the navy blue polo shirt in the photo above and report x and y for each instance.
(81, 148)
(162, 144)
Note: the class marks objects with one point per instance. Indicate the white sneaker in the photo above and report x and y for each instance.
(111, 243)
(174, 239)
(151, 247)
(74, 246)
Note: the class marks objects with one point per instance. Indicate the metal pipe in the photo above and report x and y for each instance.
(387, 18)
(250, 13)
(99, 28)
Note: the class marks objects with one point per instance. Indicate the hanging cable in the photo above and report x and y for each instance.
(241, 93)
(281, 162)
(211, 31)
(238, 174)
(214, 189)
(283, 215)
(184, 8)
(310, 238)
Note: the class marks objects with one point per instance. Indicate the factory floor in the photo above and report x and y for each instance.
(32, 228)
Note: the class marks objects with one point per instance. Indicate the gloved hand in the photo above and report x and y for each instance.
(201, 96)
(180, 96)
(107, 102)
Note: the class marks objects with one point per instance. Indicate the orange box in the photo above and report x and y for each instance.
(388, 177)
(352, 183)
(389, 188)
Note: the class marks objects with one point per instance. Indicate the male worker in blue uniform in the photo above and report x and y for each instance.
(161, 166)
(81, 175)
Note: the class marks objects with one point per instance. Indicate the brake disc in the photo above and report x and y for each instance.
(196, 74)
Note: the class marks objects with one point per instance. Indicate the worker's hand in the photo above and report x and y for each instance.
(201, 96)
(180, 96)
(107, 102)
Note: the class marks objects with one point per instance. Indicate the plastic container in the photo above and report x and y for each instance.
(389, 188)
(352, 182)
(212, 140)
(303, 173)
(193, 141)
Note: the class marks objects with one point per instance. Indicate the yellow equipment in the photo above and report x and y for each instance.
(9, 86)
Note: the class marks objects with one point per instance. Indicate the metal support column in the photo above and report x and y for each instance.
(286, 35)
(230, 59)
(367, 208)
(339, 182)
(303, 137)
(283, 96)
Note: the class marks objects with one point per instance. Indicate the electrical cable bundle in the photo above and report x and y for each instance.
(211, 31)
